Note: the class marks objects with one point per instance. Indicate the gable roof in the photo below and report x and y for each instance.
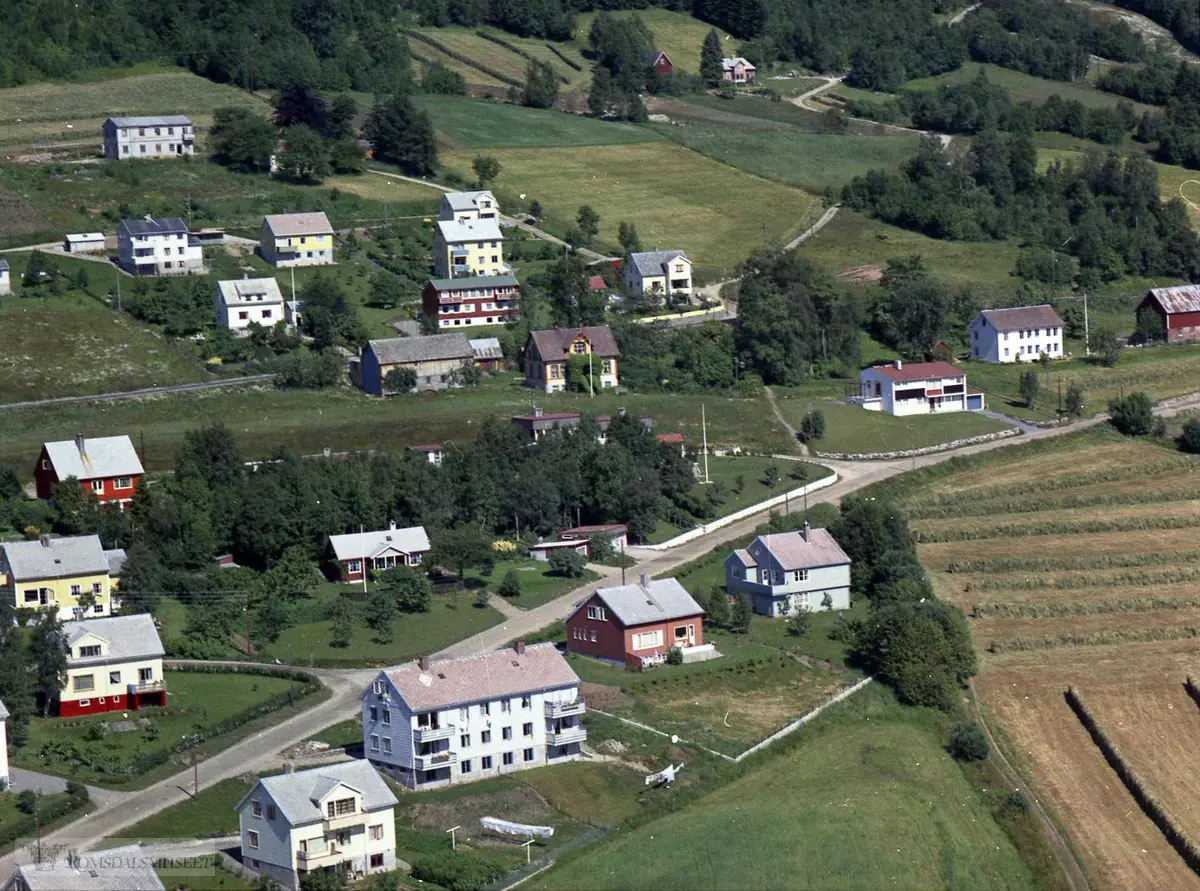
(486, 348)
(1018, 318)
(128, 637)
(242, 291)
(116, 560)
(919, 371)
(55, 557)
(454, 231)
(151, 226)
(653, 262)
(467, 200)
(286, 225)
(298, 795)
(167, 120)
(658, 600)
(651, 57)
(356, 545)
(482, 676)
(104, 456)
(473, 282)
(3, 265)
(730, 63)
(792, 551)
(3, 711)
(96, 874)
(431, 348)
(552, 344)
(1183, 298)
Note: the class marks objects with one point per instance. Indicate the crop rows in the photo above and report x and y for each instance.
(1093, 639)
(465, 59)
(1172, 576)
(1067, 562)
(1057, 527)
(561, 55)
(524, 54)
(1146, 799)
(1078, 608)
(995, 507)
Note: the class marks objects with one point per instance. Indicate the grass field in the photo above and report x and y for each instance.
(476, 80)
(679, 36)
(214, 877)
(499, 58)
(538, 584)
(1023, 87)
(677, 198)
(863, 798)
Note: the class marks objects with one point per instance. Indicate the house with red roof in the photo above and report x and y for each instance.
(918, 388)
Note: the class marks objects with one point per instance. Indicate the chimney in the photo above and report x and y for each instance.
(806, 530)
(148, 218)
(79, 444)
(644, 581)
(898, 363)
(289, 767)
(44, 538)
(424, 663)
(520, 648)
(392, 525)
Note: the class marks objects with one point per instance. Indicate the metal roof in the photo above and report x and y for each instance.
(792, 551)
(243, 291)
(1018, 318)
(1182, 298)
(150, 226)
(653, 262)
(432, 348)
(128, 638)
(298, 795)
(467, 200)
(658, 600)
(474, 282)
(116, 561)
(487, 348)
(730, 63)
(52, 558)
(105, 456)
(85, 236)
(286, 225)
(118, 873)
(454, 231)
(169, 120)
(357, 545)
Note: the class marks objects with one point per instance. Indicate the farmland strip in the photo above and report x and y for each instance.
(1058, 527)
(1080, 608)
(1175, 575)
(1068, 562)
(524, 54)
(995, 507)
(560, 54)
(465, 59)
(1092, 639)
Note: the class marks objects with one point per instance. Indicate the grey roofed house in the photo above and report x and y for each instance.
(646, 601)
(792, 550)
(355, 545)
(169, 120)
(455, 232)
(410, 350)
(467, 200)
(160, 226)
(92, 873)
(298, 795)
(553, 344)
(446, 683)
(241, 291)
(650, 263)
(287, 225)
(487, 349)
(50, 558)
(128, 638)
(1019, 318)
(104, 456)
(116, 560)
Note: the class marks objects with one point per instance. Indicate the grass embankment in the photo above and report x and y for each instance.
(1025, 87)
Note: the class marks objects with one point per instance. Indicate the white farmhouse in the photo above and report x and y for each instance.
(790, 571)
(658, 272)
(464, 206)
(921, 388)
(158, 247)
(1020, 334)
(337, 817)
(167, 136)
(240, 303)
(456, 720)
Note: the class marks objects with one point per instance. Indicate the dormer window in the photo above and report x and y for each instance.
(340, 808)
(89, 651)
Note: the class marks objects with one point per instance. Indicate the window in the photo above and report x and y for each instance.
(97, 588)
(800, 575)
(680, 632)
(145, 674)
(527, 728)
(373, 712)
(528, 754)
(507, 759)
(1006, 351)
(114, 677)
(506, 733)
(158, 131)
(464, 766)
(255, 808)
(102, 700)
(158, 147)
(597, 613)
(76, 590)
(377, 832)
(270, 812)
(266, 313)
(485, 737)
(376, 688)
(593, 637)
(464, 740)
(340, 808)
(89, 651)
(98, 608)
(485, 709)
(486, 763)
(374, 743)
(387, 716)
(243, 315)
(505, 705)
(45, 464)
(526, 701)
(141, 131)
(124, 150)
(353, 566)
(648, 639)
(142, 149)
(97, 485)
(606, 367)
(376, 861)
(84, 682)
(31, 596)
(387, 745)
(252, 838)
(84, 703)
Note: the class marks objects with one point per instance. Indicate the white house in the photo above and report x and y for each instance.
(239, 303)
(165, 136)
(790, 571)
(3, 748)
(158, 247)
(84, 243)
(433, 723)
(90, 872)
(337, 817)
(113, 665)
(5, 281)
(464, 206)
(658, 272)
(1020, 334)
(920, 388)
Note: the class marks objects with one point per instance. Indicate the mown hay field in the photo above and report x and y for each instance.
(678, 35)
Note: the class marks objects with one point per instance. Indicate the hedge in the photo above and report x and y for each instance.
(559, 53)
(524, 54)
(1151, 806)
(1093, 639)
(27, 826)
(465, 59)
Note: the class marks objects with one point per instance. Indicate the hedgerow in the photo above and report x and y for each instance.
(1068, 562)
(1174, 575)
(524, 54)
(1081, 608)
(465, 59)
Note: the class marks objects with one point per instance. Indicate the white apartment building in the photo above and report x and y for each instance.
(158, 247)
(1020, 334)
(473, 249)
(919, 388)
(240, 303)
(464, 206)
(790, 571)
(166, 136)
(456, 720)
(337, 817)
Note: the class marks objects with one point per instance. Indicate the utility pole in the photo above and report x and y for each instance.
(622, 561)
(1060, 410)
(704, 440)
(195, 774)
(362, 546)
(1087, 340)
(591, 385)
(246, 618)
(118, 289)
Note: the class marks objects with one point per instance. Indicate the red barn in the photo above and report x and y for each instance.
(108, 467)
(659, 61)
(638, 624)
(1178, 310)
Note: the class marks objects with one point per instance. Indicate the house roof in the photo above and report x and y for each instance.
(467, 200)
(670, 437)
(57, 558)
(652, 262)
(432, 348)
(128, 637)
(1183, 298)
(918, 371)
(482, 676)
(242, 291)
(104, 456)
(3, 711)
(454, 231)
(85, 236)
(428, 447)
(552, 344)
(650, 57)
(597, 283)
(731, 63)
(96, 874)
(116, 560)
(596, 530)
(286, 225)
(412, 540)
(792, 551)
(657, 601)
(486, 348)
(150, 226)
(298, 795)
(743, 557)
(3, 265)
(168, 120)
(1018, 318)
(474, 282)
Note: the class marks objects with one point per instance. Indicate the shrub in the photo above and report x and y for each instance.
(458, 871)
(1189, 439)
(511, 585)
(1010, 805)
(674, 656)
(1132, 415)
(568, 563)
(812, 427)
(27, 801)
(968, 742)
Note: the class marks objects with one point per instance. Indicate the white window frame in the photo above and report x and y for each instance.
(648, 640)
(597, 613)
(252, 839)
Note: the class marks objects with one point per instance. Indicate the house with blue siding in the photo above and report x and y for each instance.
(790, 571)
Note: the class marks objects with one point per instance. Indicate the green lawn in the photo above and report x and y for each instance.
(679, 36)
(1024, 87)
(851, 428)
(538, 584)
(343, 733)
(210, 814)
(216, 877)
(745, 109)
(194, 701)
(11, 817)
(863, 798)
(498, 58)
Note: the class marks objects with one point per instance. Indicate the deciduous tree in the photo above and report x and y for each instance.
(403, 135)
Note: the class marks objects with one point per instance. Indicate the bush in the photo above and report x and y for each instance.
(27, 801)
(511, 584)
(1132, 415)
(968, 742)
(812, 427)
(1189, 439)
(568, 563)
(674, 656)
(458, 871)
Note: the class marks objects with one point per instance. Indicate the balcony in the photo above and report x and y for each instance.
(432, 734)
(435, 762)
(314, 859)
(151, 686)
(344, 821)
(566, 736)
(565, 709)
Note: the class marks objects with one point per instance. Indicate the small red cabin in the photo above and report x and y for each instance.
(108, 467)
(659, 61)
(1178, 311)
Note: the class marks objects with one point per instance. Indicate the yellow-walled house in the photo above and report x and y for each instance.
(56, 573)
(113, 664)
(296, 239)
(548, 354)
(468, 248)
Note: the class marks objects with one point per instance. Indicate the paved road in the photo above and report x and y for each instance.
(147, 391)
(963, 13)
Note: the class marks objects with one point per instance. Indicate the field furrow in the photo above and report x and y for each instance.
(1073, 521)
(939, 555)
(1080, 630)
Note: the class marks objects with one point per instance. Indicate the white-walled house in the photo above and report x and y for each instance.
(3, 747)
(335, 817)
(919, 388)
(240, 303)
(1019, 334)
(434, 723)
(464, 206)
(158, 247)
(161, 136)
(658, 272)
(790, 571)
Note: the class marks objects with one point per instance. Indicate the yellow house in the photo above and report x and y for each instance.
(59, 573)
(464, 248)
(113, 664)
(296, 239)
(548, 354)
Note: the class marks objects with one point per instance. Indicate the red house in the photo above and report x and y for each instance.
(639, 624)
(108, 467)
(1178, 310)
(659, 61)
(465, 302)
